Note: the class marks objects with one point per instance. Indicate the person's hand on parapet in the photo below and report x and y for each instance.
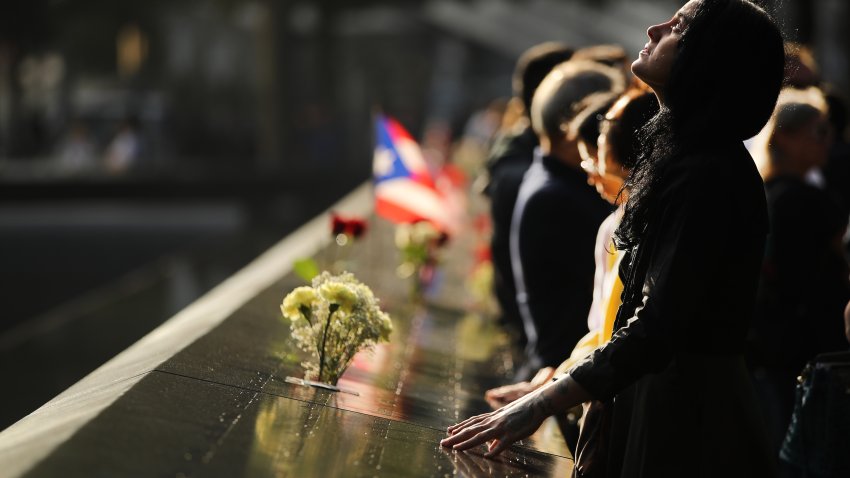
(501, 428)
(501, 396)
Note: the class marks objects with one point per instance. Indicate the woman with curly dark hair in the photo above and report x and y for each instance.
(673, 379)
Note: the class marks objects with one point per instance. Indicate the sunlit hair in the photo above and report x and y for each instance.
(584, 128)
(610, 55)
(561, 92)
(795, 109)
(722, 89)
(533, 65)
(624, 121)
(591, 112)
(801, 68)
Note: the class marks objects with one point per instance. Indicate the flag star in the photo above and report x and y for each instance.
(383, 162)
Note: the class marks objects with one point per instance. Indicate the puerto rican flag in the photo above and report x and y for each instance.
(405, 190)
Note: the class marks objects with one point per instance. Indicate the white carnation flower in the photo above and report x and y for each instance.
(301, 297)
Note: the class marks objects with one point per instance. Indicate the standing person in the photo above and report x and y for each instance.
(510, 157)
(804, 285)
(847, 321)
(836, 171)
(124, 151)
(554, 222)
(673, 375)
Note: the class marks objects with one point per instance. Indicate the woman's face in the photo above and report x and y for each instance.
(609, 176)
(588, 153)
(655, 61)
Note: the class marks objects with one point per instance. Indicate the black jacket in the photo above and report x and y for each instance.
(510, 158)
(553, 236)
(673, 374)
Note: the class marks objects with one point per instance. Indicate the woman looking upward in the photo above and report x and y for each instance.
(693, 229)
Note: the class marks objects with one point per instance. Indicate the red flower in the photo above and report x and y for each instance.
(337, 225)
(357, 227)
(354, 227)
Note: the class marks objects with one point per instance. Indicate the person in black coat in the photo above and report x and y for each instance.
(673, 377)
(804, 285)
(555, 220)
(510, 157)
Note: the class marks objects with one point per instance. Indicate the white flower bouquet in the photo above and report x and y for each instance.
(332, 320)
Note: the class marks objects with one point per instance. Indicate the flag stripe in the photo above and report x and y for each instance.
(404, 188)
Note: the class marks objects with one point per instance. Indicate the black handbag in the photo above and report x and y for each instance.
(816, 442)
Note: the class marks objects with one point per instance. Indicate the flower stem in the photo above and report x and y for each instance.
(322, 351)
(333, 309)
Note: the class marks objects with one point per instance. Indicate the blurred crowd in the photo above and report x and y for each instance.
(80, 153)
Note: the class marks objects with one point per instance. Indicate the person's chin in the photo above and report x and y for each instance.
(643, 71)
(638, 65)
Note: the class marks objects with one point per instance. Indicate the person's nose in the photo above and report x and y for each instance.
(655, 32)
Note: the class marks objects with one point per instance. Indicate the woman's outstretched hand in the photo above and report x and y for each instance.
(500, 428)
(513, 422)
(501, 396)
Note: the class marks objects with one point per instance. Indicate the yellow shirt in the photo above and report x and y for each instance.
(610, 304)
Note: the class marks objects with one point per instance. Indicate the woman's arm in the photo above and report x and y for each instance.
(517, 420)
